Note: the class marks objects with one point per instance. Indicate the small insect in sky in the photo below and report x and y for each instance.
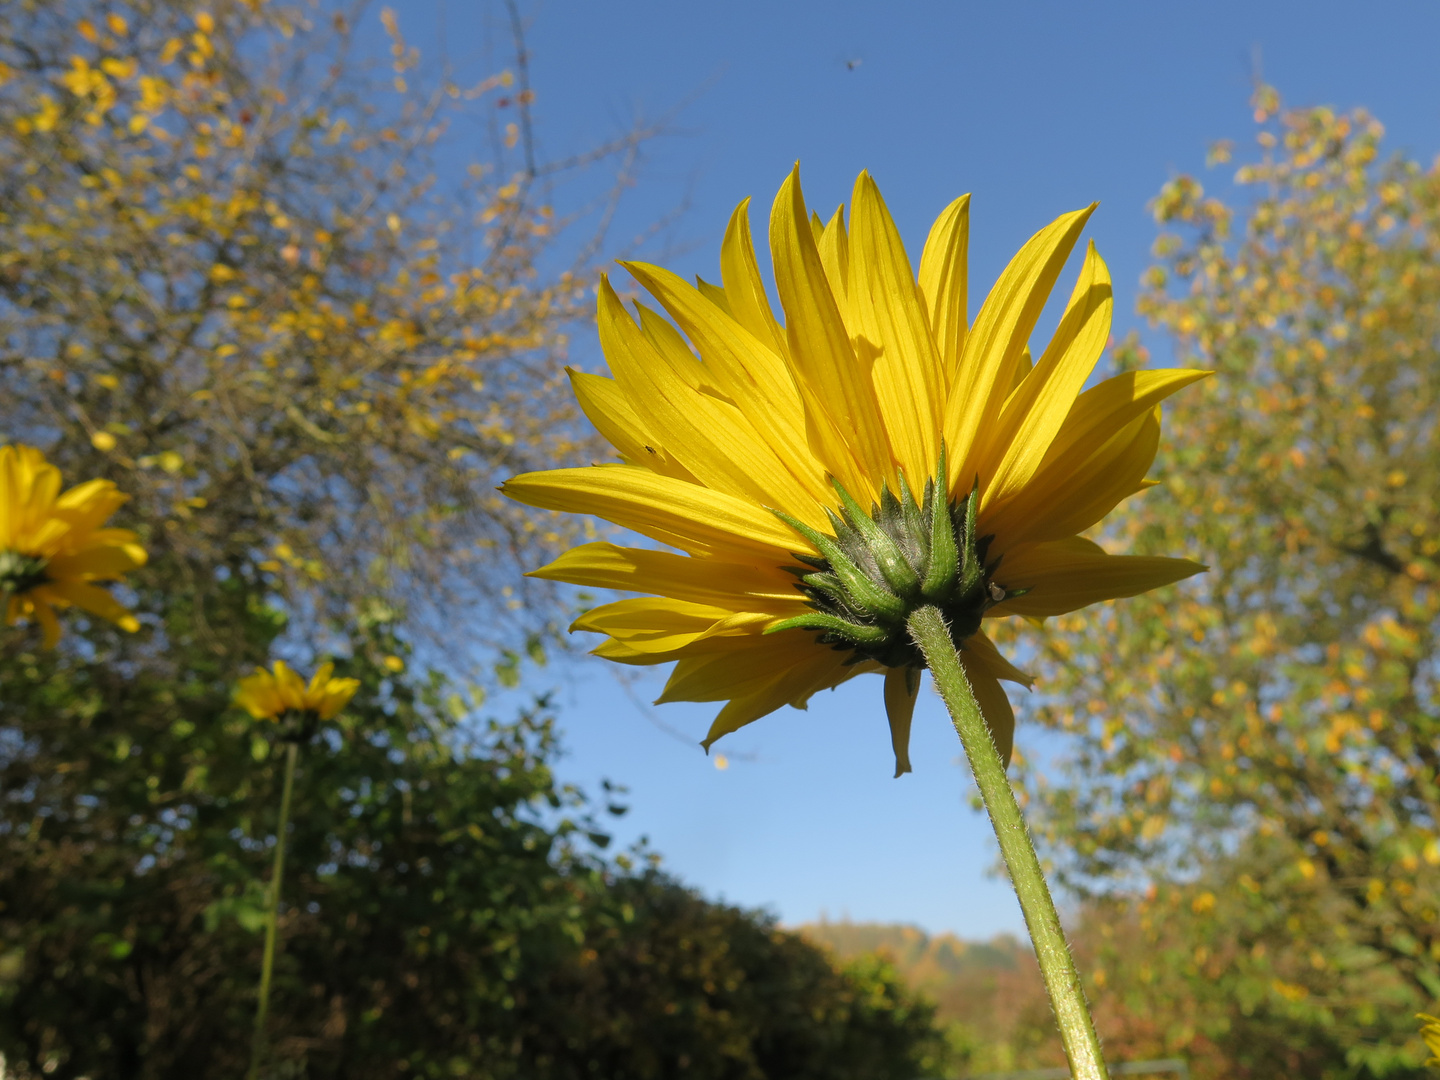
(851, 65)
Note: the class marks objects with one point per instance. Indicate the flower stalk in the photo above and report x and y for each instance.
(1062, 982)
(272, 916)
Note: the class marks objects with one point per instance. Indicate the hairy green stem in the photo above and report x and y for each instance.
(267, 966)
(1062, 981)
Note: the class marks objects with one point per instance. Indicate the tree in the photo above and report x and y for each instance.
(445, 909)
(670, 984)
(1264, 743)
(233, 281)
(427, 868)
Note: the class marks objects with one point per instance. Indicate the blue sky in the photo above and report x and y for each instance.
(1035, 108)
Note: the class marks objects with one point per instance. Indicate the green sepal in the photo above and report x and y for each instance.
(913, 516)
(864, 593)
(972, 569)
(855, 633)
(943, 568)
(893, 565)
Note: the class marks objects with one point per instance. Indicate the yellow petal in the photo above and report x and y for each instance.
(999, 335)
(256, 695)
(715, 294)
(845, 423)
(743, 285)
(1098, 484)
(669, 342)
(1103, 410)
(743, 371)
(673, 627)
(708, 437)
(1038, 407)
(982, 650)
(94, 600)
(778, 675)
(289, 686)
(902, 686)
(337, 695)
(1069, 495)
(87, 506)
(834, 247)
(106, 538)
(96, 564)
(943, 282)
(620, 653)
(49, 624)
(747, 365)
(736, 586)
(35, 482)
(615, 418)
(722, 675)
(692, 518)
(320, 680)
(995, 707)
(1066, 575)
(891, 324)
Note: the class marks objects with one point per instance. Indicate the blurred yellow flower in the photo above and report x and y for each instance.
(52, 546)
(903, 456)
(1430, 1032)
(269, 695)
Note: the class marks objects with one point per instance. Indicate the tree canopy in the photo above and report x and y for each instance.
(1263, 744)
(233, 281)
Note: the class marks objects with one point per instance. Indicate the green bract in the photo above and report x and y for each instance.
(20, 573)
(880, 566)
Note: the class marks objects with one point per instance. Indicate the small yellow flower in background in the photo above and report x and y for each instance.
(1430, 1032)
(270, 695)
(52, 546)
(828, 476)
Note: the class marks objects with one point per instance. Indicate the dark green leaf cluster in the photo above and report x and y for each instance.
(444, 911)
(18, 572)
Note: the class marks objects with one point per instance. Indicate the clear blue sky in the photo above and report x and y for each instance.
(1035, 108)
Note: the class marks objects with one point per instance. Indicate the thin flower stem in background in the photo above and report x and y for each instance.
(1062, 981)
(262, 1004)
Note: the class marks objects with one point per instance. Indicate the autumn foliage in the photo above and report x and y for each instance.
(1263, 745)
(232, 281)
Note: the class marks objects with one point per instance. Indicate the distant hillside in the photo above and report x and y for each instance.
(988, 992)
(924, 959)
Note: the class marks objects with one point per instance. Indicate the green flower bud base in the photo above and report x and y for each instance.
(880, 567)
(20, 573)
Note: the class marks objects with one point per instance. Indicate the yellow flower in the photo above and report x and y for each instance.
(269, 696)
(979, 466)
(1430, 1032)
(52, 548)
